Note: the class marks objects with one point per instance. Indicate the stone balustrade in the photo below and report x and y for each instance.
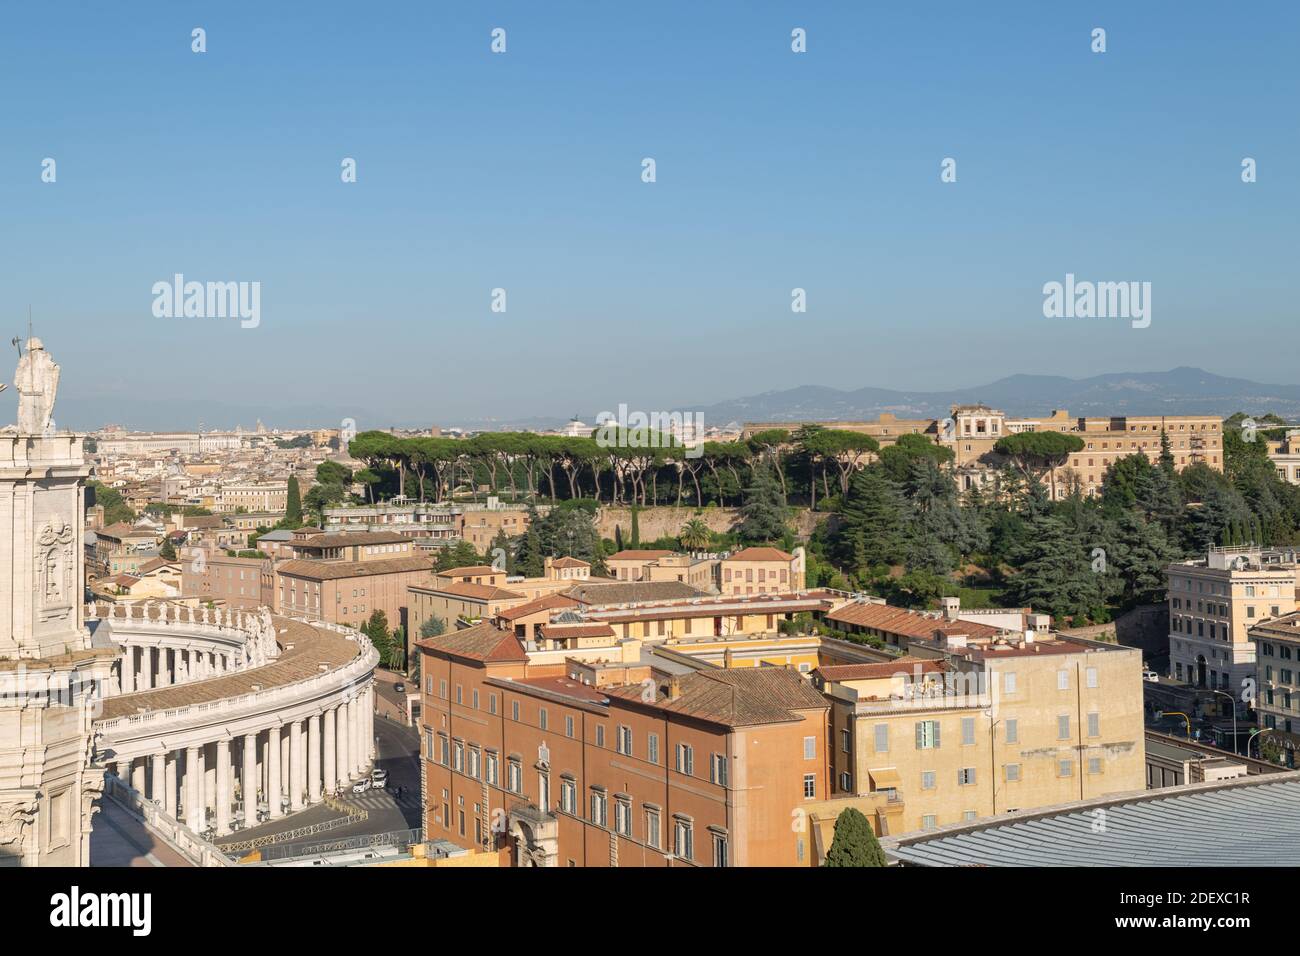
(283, 721)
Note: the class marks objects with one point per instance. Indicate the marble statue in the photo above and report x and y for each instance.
(37, 381)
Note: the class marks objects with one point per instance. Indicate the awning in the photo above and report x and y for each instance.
(886, 778)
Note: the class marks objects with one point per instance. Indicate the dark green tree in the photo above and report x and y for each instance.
(763, 515)
(293, 504)
(854, 843)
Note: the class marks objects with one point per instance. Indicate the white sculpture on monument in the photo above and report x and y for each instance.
(37, 382)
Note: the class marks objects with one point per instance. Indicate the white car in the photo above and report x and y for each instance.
(378, 779)
(1149, 675)
(361, 786)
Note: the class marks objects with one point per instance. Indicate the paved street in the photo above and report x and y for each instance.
(398, 753)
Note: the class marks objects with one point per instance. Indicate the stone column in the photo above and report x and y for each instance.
(331, 751)
(137, 776)
(193, 789)
(210, 776)
(313, 758)
(248, 781)
(297, 773)
(370, 722)
(159, 781)
(164, 668)
(354, 719)
(224, 781)
(273, 772)
(183, 667)
(128, 671)
(146, 669)
(345, 744)
(169, 799)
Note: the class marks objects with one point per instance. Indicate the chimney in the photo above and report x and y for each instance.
(547, 567)
(951, 607)
(1029, 636)
(674, 687)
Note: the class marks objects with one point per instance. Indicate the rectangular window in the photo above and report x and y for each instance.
(927, 735)
(652, 836)
(718, 769)
(652, 748)
(1094, 725)
(685, 759)
(845, 738)
(474, 698)
(568, 726)
(1094, 765)
(684, 839)
(568, 795)
(1009, 682)
(1063, 727)
(599, 809)
(1062, 680)
(809, 748)
(927, 780)
(929, 822)
(968, 731)
(966, 777)
(1012, 771)
(719, 850)
(492, 703)
(623, 818)
(882, 738)
(1013, 730)
(1065, 768)
(514, 711)
(491, 768)
(1092, 676)
(600, 735)
(809, 786)
(542, 718)
(515, 777)
(625, 740)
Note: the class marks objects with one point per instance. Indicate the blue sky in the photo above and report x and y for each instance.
(522, 171)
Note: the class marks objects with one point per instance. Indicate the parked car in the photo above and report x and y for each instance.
(378, 779)
(1150, 675)
(362, 785)
(400, 688)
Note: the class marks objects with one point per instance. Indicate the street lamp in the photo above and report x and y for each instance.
(1233, 701)
(1162, 714)
(1253, 734)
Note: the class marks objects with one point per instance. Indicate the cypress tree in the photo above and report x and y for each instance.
(293, 504)
(855, 843)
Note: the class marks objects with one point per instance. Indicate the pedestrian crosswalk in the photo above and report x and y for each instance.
(382, 800)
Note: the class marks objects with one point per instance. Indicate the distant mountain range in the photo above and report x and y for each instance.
(1180, 391)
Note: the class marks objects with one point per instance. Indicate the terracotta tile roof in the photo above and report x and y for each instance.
(476, 592)
(345, 540)
(562, 686)
(560, 632)
(200, 522)
(333, 570)
(760, 554)
(739, 697)
(629, 592)
(548, 603)
(897, 620)
(470, 570)
(631, 555)
(482, 642)
(122, 580)
(903, 665)
(567, 562)
(157, 563)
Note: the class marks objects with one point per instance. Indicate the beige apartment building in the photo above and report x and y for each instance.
(1277, 679)
(1285, 455)
(348, 592)
(762, 571)
(210, 575)
(262, 496)
(972, 431)
(1213, 604)
(699, 571)
(965, 729)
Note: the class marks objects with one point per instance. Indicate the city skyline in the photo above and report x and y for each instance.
(775, 171)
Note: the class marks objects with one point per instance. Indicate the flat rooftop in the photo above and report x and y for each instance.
(1249, 821)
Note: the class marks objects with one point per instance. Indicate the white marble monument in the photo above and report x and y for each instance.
(50, 672)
